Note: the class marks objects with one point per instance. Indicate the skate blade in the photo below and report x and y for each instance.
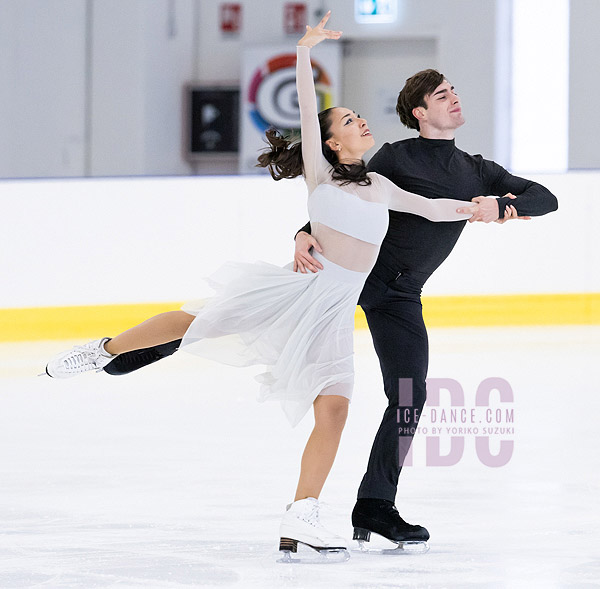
(312, 555)
(319, 557)
(408, 547)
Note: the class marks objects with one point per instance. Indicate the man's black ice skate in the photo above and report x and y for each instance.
(136, 359)
(381, 517)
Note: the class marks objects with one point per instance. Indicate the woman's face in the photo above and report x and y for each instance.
(351, 137)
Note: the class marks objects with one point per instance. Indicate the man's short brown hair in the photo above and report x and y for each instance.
(413, 95)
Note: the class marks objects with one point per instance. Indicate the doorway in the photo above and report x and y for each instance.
(373, 72)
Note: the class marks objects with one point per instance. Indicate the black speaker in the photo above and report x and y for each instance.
(212, 121)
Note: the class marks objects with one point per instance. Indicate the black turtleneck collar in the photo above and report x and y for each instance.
(448, 143)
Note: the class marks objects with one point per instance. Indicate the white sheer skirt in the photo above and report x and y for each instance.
(300, 326)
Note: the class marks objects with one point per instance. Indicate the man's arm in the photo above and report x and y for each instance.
(306, 229)
(303, 261)
(532, 199)
(519, 198)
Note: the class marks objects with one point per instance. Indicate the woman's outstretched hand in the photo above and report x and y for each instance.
(314, 36)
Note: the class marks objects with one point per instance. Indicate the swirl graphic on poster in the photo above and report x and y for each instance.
(272, 95)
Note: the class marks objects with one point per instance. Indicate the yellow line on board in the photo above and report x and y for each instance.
(88, 322)
(508, 310)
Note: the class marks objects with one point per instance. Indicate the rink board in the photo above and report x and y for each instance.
(92, 321)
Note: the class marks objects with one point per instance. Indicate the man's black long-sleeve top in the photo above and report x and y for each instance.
(414, 247)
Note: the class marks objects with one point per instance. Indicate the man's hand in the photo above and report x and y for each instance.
(302, 257)
(485, 211)
(511, 212)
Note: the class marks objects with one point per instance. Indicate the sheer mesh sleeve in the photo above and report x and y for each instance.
(315, 164)
(434, 209)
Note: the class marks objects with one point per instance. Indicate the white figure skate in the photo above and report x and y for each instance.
(80, 359)
(301, 524)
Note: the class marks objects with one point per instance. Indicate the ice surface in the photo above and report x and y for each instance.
(176, 477)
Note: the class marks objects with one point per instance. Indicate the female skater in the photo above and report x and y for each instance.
(298, 325)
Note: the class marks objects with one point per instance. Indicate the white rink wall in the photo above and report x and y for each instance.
(127, 240)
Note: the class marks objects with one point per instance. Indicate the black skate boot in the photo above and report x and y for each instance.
(130, 361)
(381, 517)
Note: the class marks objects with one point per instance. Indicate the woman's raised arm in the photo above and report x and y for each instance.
(312, 155)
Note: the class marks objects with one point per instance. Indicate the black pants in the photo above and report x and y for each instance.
(401, 343)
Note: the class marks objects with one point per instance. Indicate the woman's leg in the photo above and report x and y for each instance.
(331, 412)
(300, 522)
(159, 329)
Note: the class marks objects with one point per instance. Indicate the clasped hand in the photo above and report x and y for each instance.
(486, 210)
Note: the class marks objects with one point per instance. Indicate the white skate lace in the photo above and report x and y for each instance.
(82, 359)
(312, 517)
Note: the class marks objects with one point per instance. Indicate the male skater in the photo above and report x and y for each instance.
(432, 166)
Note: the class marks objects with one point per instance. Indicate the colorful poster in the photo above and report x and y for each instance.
(268, 93)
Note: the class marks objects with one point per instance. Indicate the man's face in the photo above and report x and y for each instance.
(443, 111)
